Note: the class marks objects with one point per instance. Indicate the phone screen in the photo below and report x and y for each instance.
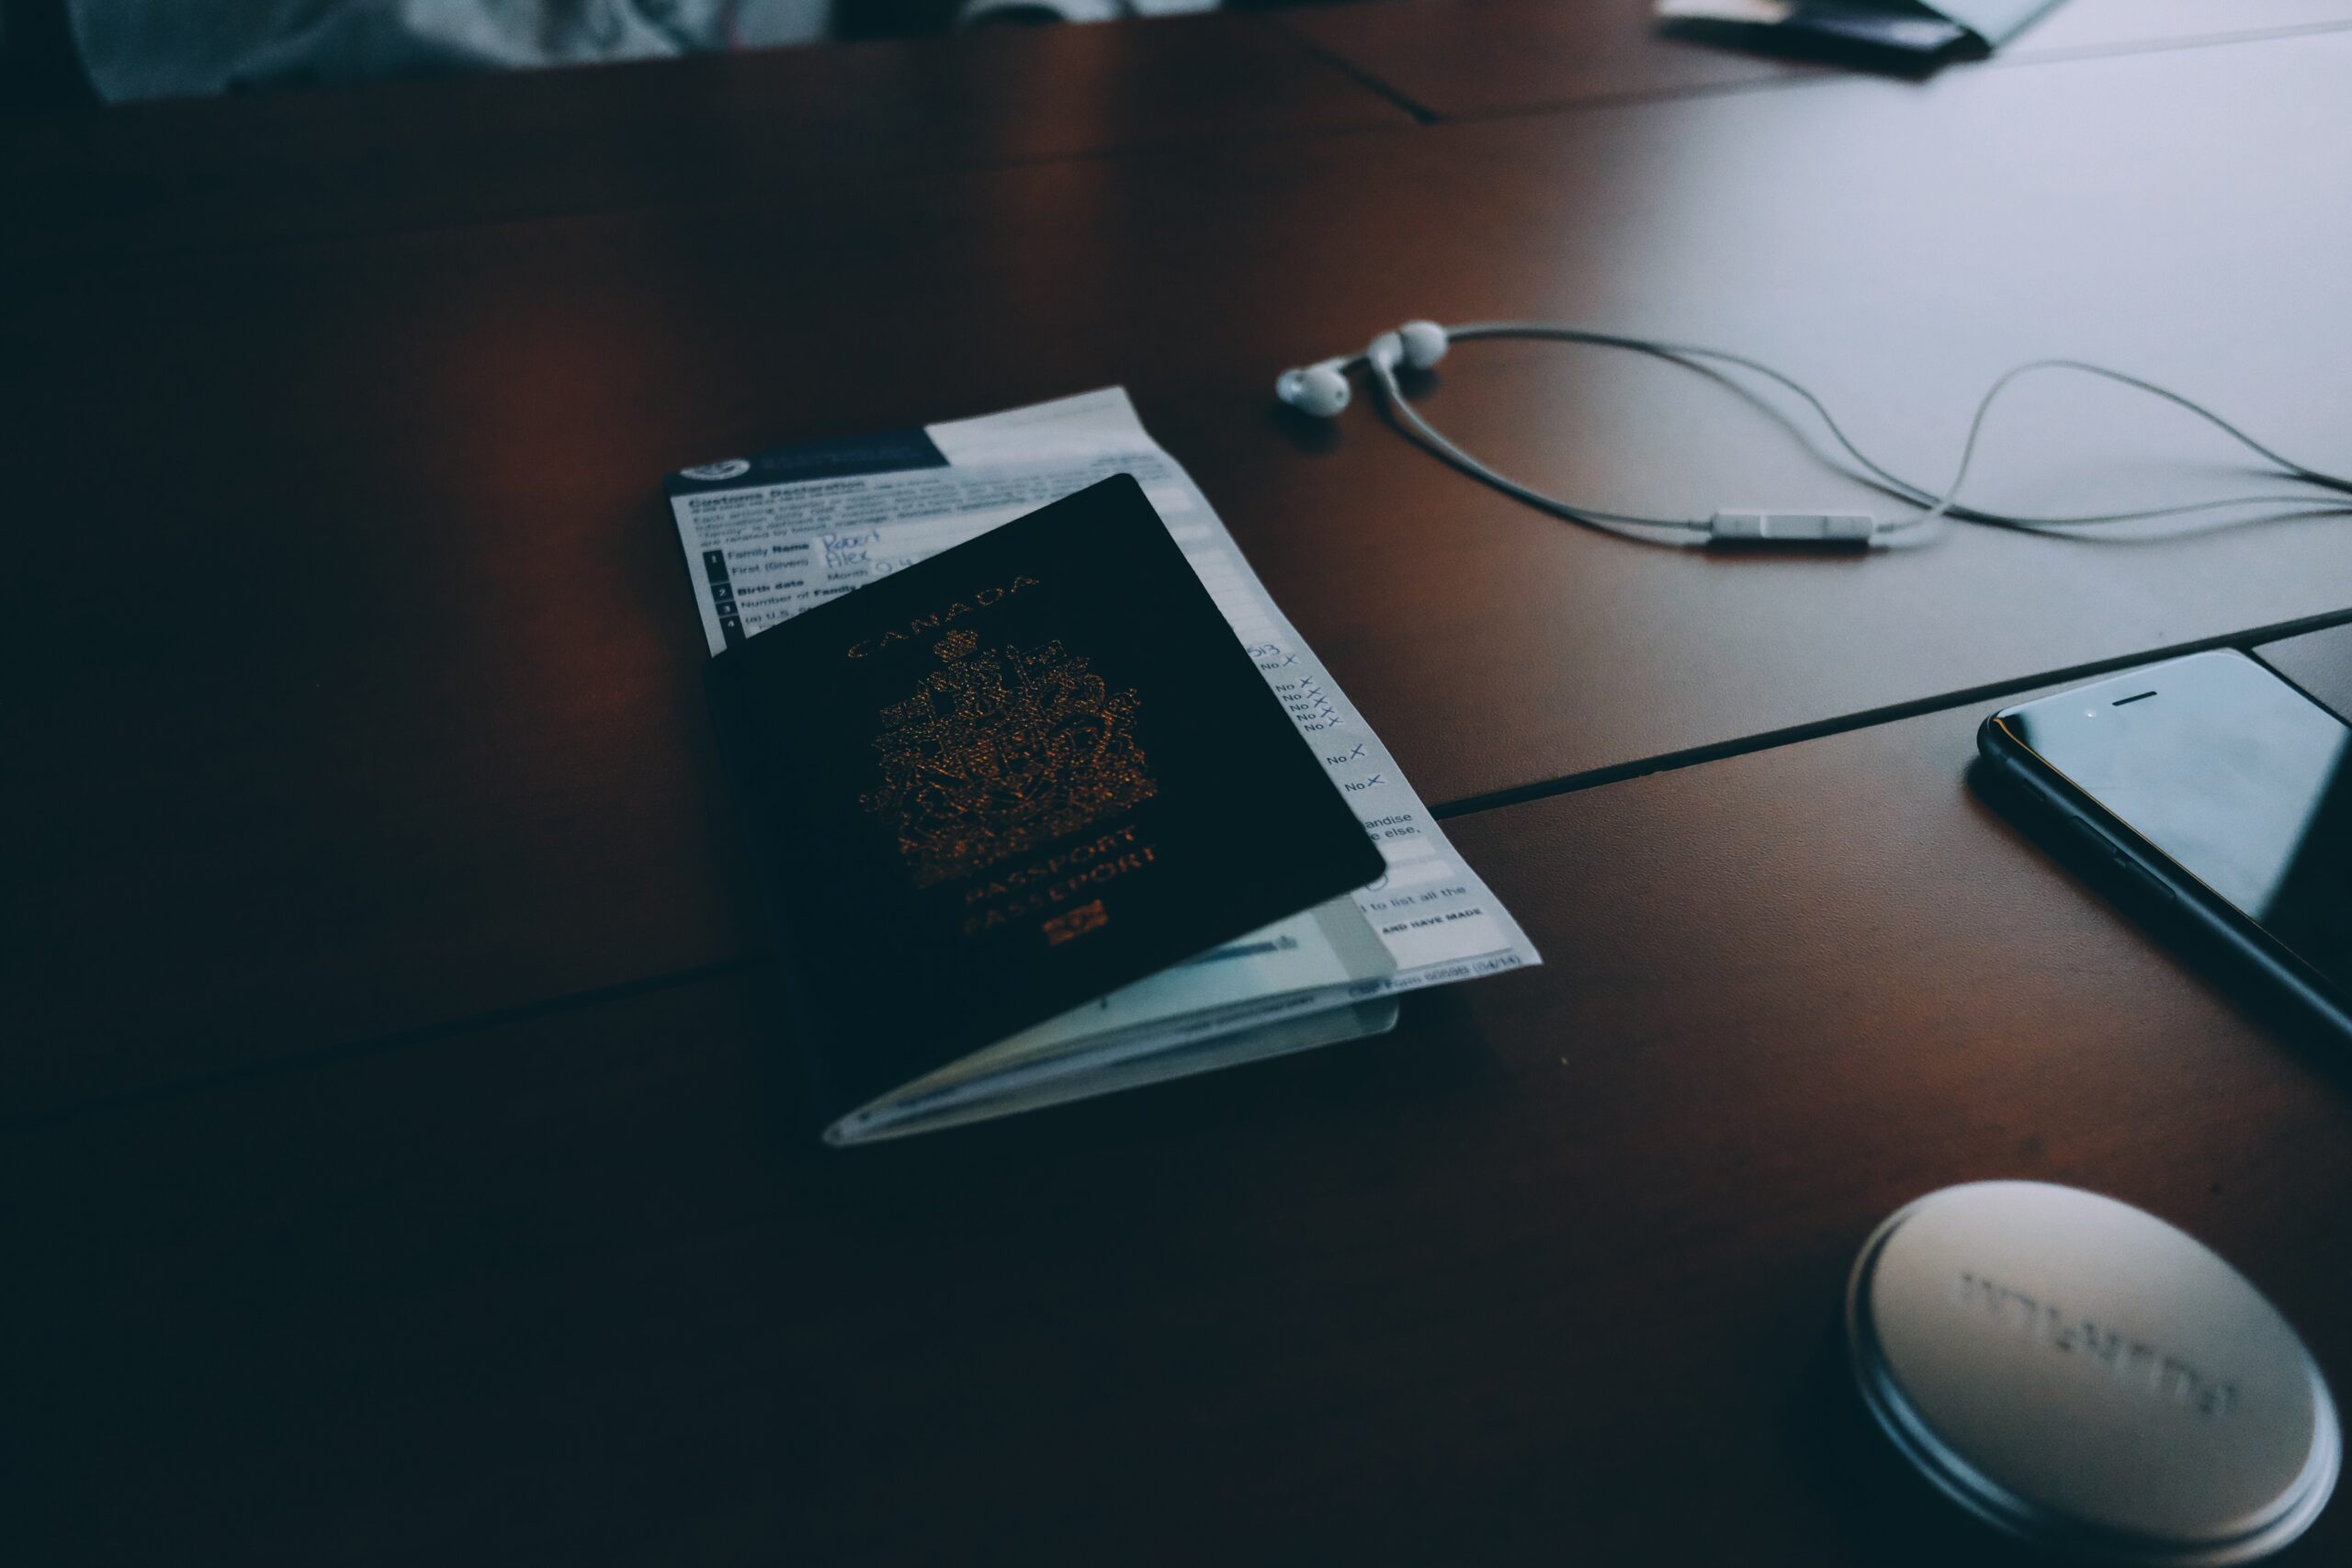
(2242, 780)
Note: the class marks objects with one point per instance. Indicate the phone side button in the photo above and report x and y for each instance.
(2103, 843)
(2139, 877)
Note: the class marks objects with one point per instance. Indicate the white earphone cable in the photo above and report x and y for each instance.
(2293, 470)
(1935, 506)
(1608, 521)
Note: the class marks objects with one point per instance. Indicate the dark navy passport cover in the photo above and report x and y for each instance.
(1012, 778)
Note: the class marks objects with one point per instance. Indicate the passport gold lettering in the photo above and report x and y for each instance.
(1052, 897)
(937, 618)
(1022, 876)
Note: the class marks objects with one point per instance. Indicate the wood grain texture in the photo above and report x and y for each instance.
(2320, 662)
(766, 124)
(365, 687)
(1458, 58)
(1551, 1273)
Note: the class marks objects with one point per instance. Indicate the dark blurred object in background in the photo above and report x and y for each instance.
(154, 48)
(1914, 36)
(39, 66)
(63, 51)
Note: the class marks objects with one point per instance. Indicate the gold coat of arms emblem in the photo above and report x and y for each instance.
(1000, 751)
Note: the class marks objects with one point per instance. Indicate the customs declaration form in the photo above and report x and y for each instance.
(769, 537)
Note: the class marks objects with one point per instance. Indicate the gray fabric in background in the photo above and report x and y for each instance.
(157, 48)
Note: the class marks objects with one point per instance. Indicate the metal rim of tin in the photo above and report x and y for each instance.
(1951, 1473)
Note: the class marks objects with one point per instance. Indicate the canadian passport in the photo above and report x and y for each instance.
(1011, 779)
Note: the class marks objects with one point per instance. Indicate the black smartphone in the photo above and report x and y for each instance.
(2221, 797)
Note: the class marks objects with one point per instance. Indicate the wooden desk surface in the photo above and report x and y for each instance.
(1551, 1273)
(381, 706)
(1459, 59)
(402, 1167)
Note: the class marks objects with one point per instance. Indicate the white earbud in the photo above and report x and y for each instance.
(1319, 390)
(1424, 344)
